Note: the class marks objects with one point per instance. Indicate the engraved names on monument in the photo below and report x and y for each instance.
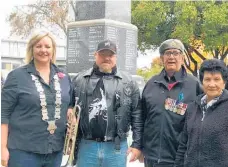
(82, 43)
(83, 40)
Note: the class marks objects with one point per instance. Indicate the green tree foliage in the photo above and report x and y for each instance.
(189, 21)
(156, 67)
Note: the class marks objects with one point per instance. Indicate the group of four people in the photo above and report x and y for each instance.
(171, 126)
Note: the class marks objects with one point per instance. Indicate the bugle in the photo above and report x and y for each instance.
(71, 135)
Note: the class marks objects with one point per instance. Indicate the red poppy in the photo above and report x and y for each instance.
(60, 75)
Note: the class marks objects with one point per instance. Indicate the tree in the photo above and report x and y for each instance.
(156, 67)
(198, 24)
(202, 26)
(54, 15)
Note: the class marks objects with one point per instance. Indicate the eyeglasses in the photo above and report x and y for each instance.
(174, 53)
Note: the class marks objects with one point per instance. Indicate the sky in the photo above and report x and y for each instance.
(8, 5)
(5, 9)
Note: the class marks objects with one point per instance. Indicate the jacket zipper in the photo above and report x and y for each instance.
(199, 155)
(106, 131)
(84, 98)
(161, 131)
(81, 122)
(201, 129)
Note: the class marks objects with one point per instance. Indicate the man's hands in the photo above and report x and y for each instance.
(134, 153)
(141, 158)
(4, 156)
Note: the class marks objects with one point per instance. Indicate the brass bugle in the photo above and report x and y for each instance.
(71, 136)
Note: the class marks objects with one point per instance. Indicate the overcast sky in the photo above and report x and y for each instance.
(5, 9)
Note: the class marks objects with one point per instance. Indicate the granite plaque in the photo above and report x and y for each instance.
(84, 36)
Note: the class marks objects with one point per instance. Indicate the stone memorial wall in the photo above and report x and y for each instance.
(84, 36)
(97, 21)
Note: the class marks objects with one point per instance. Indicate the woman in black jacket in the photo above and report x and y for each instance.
(204, 141)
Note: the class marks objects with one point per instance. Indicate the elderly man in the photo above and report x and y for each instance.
(110, 102)
(165, 99)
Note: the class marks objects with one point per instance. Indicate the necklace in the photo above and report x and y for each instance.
(51, 123)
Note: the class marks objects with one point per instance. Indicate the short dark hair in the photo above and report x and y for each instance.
(213, 65)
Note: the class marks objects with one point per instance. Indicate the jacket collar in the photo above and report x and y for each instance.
(32, 69)
(179, 75)
(89, 72)
(222, 98)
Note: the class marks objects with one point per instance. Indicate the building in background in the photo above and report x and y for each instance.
(13, 54)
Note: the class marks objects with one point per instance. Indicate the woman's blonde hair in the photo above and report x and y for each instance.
(33, 41)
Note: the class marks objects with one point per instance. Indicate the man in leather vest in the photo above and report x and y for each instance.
(110, 103)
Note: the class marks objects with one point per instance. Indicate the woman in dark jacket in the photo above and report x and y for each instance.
(35, 101)
(204, 141)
